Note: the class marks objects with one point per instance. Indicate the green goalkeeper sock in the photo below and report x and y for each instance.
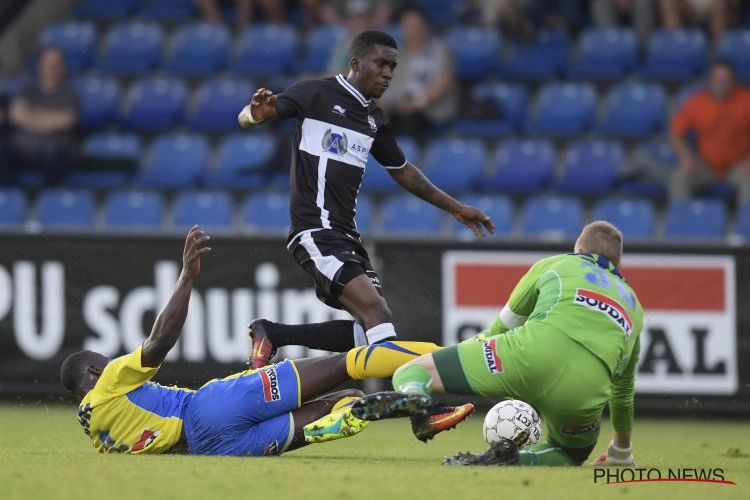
(544, 454)
(413, 379)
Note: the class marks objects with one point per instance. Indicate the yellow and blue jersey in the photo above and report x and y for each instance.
(126, 412)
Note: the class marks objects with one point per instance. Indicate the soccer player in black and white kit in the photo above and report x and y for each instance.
(338, 126)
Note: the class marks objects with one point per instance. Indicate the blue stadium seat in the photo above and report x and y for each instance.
(318, 48)
(406, 214)
(11, 85)
(443, 12)
(131, 48)
(265, 50)
(126, 209)
(540, 60)
(634, 217)
(498, 207)
(563, 110)
(176, 161)
(365, 217)
(511, 101)
(522, 166)
(605, 54)
(98, 100)
(76, 40)
(455, 164)
(476, 51)
(552, 217)
(198, 49)
(634, 110)
(65, 208)
(734, 46)
(107, 160)
(105, 10)
(154, 103)
(213, 210)
(378, 180)
(167, 10)
(591, 167)
(695, 219)
(266, 212)
(13, 207)
(217, 103)
(113, 146)
(661, 149)
(675, 55)
(742, 224)
(241, 160)
(685, 92)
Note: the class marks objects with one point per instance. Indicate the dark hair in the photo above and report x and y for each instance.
(365, 41)
(73, 369)
(725, 63)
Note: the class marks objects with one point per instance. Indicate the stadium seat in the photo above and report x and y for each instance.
(455, 164)
(695, 219)
(217, 103)
(266, 212)
(265, 50)
(475, 51)
(734, 46)
(105, 10)
(377, 180)
(65, 208)
(11, 85)
(154, 103)
(318, 48)
(605, 54)
(198, 49)
(406, 214)
(131, 48)
(633, 110)
(498, 207)
(660, 149)
(76, 40)
(686, 91)
(552, 217)
(176, 161)
(634, 217)
(134, 210)
(742, 224)
(365, 217)
(443, 12)
(98, 100)
(590, 167)
(107, 160)
(563, 110)
(521, 166)
(13, 207)
(675, 55)
(540, 60)
(167, 10)
(511, 101)
(241, 161)
(211, 209)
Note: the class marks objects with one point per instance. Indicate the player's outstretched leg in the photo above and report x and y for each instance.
(340, 423)
(383, 405)
(440, 418)
(503, 452)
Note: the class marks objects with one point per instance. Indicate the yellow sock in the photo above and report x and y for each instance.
(343, 404)
(381, 360)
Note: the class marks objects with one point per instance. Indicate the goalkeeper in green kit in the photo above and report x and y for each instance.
(567, 342)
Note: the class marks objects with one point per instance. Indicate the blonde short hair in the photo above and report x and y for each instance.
(602, 238)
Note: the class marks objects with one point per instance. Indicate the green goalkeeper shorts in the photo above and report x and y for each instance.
(567, 384)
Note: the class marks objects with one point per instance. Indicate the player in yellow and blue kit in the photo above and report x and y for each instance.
(256, 412)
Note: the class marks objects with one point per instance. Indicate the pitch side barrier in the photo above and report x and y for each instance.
(61, 293)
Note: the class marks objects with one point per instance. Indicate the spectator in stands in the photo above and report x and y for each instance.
(339, 11)
(212, 10)
(640, 14)
(675, 14)
(522, 18)
(423, 93)
(359, 18)
(44, 115)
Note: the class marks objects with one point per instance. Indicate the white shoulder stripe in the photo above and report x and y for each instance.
(352, 90)
(511, 319)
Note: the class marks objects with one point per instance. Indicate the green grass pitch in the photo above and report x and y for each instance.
(44, 454)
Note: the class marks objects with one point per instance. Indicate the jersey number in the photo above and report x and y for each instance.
(601, 278)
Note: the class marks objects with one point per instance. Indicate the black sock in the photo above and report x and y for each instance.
(335, 336)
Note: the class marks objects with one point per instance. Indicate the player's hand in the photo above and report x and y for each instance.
(474, 219)
(614, 456)
(194, 249)
(261, 104)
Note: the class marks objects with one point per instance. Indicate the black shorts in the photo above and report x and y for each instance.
(323, 252)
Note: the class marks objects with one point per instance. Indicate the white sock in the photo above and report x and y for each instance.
(381, 332)
(359, 335)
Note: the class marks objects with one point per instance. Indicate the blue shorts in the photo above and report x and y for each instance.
(248, 413)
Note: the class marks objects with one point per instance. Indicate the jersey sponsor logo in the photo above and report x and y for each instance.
(339, 110)
(373, 125)
(271, 389)
(577, 430)
(335, 143)
(607, 305)
(271, 449)
(491, 359)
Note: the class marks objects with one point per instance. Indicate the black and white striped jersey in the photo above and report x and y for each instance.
(337, 128)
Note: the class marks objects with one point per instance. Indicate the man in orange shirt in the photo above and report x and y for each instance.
(720, 118)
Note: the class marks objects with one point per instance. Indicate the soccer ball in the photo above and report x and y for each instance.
(515, 420)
